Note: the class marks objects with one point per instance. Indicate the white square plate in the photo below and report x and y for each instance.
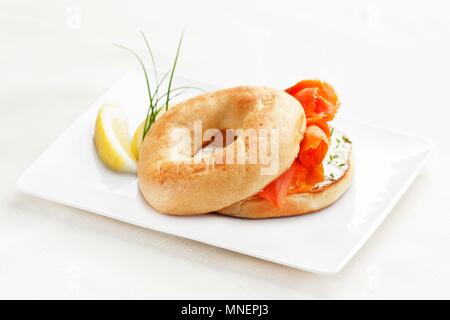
(69, 172)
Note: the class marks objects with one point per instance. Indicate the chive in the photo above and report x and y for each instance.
(332, 176)
(177, 89)
(159, 85)
(154, 99)
(151, 58)
(143, 69)
(173, 70)
(342, 164)
(346, 139)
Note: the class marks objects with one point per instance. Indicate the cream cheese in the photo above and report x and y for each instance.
(337, 160)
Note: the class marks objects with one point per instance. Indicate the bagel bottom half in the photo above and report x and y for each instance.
(295, 204)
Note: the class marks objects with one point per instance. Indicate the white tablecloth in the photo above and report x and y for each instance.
(388, 60)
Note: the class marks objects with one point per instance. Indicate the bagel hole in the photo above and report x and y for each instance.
(220, 140)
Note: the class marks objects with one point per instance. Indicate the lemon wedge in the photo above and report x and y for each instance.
(112, 139)
(137, 140)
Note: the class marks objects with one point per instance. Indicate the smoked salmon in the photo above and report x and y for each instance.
(320, 103)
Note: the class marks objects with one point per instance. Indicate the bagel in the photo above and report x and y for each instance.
(173, 180)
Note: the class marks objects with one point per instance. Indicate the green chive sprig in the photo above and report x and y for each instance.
(158, 103)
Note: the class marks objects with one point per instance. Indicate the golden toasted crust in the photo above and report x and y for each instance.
(172, 183)
(295, 204)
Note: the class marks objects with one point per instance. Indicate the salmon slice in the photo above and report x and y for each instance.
(306, 178)
(276, 191)
(318, 98)
(320, 103)
(325, 89)
(313, 147)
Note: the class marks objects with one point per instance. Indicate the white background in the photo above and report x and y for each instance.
(389, 61)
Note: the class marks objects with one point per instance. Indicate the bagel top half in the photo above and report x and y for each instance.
(172, 182)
